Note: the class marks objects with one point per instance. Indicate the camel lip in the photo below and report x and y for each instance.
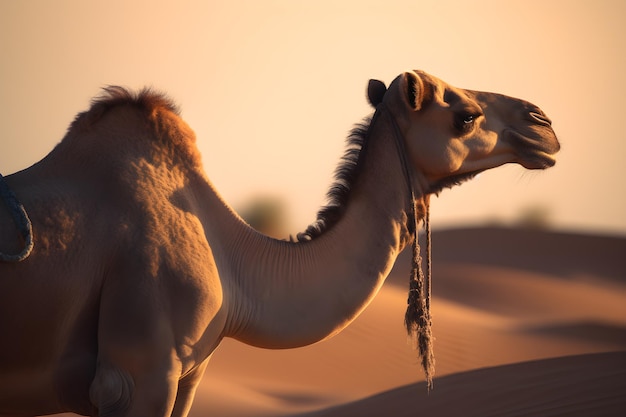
(534, 152)
(538, 160)
(549, 160)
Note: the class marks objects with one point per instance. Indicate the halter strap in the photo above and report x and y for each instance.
(21, 220)
(417, 320)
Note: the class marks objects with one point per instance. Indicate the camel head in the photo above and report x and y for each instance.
(446, 135)
(452, 134)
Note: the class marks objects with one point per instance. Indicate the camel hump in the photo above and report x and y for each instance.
(119, 119)
(147, 100)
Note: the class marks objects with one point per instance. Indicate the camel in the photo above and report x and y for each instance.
(139, 268)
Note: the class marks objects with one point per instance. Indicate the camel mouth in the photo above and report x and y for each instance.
(536, 150)
(538, 160)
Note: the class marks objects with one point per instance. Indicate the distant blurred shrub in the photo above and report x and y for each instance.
(267, 214)
(534, 217)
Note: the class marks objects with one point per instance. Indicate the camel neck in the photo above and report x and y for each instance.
(285, 294)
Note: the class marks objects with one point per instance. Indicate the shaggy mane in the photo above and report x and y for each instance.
(346, 173)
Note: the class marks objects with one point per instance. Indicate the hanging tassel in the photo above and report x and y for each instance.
(417, 319)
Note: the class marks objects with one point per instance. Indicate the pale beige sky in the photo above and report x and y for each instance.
(272, 88)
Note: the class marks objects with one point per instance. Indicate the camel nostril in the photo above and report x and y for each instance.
(540, 118)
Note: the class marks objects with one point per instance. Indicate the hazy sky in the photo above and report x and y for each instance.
(271, 88)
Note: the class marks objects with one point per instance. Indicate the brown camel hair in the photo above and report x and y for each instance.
(139, 268)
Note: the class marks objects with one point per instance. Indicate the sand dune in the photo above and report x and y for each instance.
(504, 300)
(501, 296)
(587, 385)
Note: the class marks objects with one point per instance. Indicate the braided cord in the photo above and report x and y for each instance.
(417, 319)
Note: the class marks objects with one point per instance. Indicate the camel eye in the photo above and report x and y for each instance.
(468, 119)
(464, 122)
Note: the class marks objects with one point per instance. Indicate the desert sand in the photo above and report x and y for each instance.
(527, 323)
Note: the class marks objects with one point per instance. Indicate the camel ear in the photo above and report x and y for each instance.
(418, 92)
(375, 92)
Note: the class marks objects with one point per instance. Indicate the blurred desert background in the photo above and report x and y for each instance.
(529, 268)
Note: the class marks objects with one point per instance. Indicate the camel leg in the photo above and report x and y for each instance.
(187, 390)
(138, 371)
(116, 393)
